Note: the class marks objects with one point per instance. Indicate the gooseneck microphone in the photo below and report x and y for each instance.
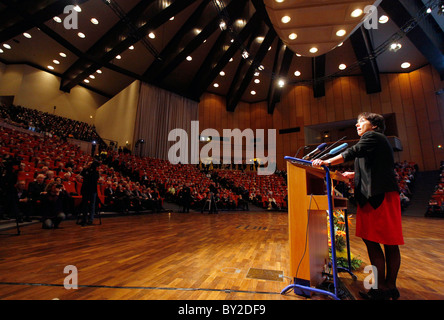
(334, 151)
(318, 149)
(300, 148)
(328, 148)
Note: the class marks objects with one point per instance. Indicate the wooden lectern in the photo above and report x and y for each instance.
(310, 200)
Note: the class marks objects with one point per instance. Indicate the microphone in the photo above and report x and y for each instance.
(318, 149)
(329, 147)
(334, 151)
(305, 147)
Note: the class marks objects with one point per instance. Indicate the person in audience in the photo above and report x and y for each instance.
(110, 195)
(89, 192)
(186, 198)
(137, 198)
(36, 189)
(18, 202)
(378, 218)
(52, 206)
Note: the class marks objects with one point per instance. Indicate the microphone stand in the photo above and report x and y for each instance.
(327, 149)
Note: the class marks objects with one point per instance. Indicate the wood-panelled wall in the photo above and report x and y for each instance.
(411, 96)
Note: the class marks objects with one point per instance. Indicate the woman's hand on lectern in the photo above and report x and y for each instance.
(319, 162)
(348, 174)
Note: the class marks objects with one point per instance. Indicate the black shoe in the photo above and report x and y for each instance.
(394, 294)
(376, 294)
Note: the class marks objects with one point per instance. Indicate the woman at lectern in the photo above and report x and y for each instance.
(378, 217)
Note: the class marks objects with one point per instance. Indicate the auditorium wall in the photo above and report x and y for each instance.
(410, 96)
(115, 119)
(37, 89)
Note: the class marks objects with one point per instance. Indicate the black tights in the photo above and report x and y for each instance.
(387, 266)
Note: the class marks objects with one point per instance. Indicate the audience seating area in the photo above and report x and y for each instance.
(49, 124)
(131, 183)
(435, 207)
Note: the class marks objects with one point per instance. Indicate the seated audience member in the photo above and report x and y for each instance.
(52, 207)
(243, 204)
(18, 202)
(66, 198)
(110, 195)
(36, 190)
(136, 198)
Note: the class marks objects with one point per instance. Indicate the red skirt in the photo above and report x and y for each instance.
(383, 224)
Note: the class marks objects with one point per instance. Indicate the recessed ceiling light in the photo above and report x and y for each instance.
(77, 8)
(395, 46)
(252, 92)
(356, 13)
(118, 57)
(340, 44)
(94, 21)
(216, 85)
(297, 73)
(342, 66)
(285, 19)
(62, 54)
(314, 50)
(56, 61)
(292, 36)
(86, 81)
(131, 48)
(81, 35)
(245, 54)
(57, 19)
(189, 58)
(256, 74)
(92, 76)
(383, 19)
(279, 1)
(298, 55)
(405, 65)
(51, 67)
(1, 51)
(7, 46)
(99, 71)
(223, 25)
(429, 10)
(222, 73)
(257, 80)
(172, 18)
(341, 33)
(261, 67)
(151, 35)
(27, 35)
(281, 83)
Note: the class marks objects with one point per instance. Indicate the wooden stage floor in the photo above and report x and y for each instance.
(177, 256)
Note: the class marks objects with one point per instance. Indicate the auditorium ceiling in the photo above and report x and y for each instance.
(245, 50)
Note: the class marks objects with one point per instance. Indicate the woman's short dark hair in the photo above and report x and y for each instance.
(375, 119)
